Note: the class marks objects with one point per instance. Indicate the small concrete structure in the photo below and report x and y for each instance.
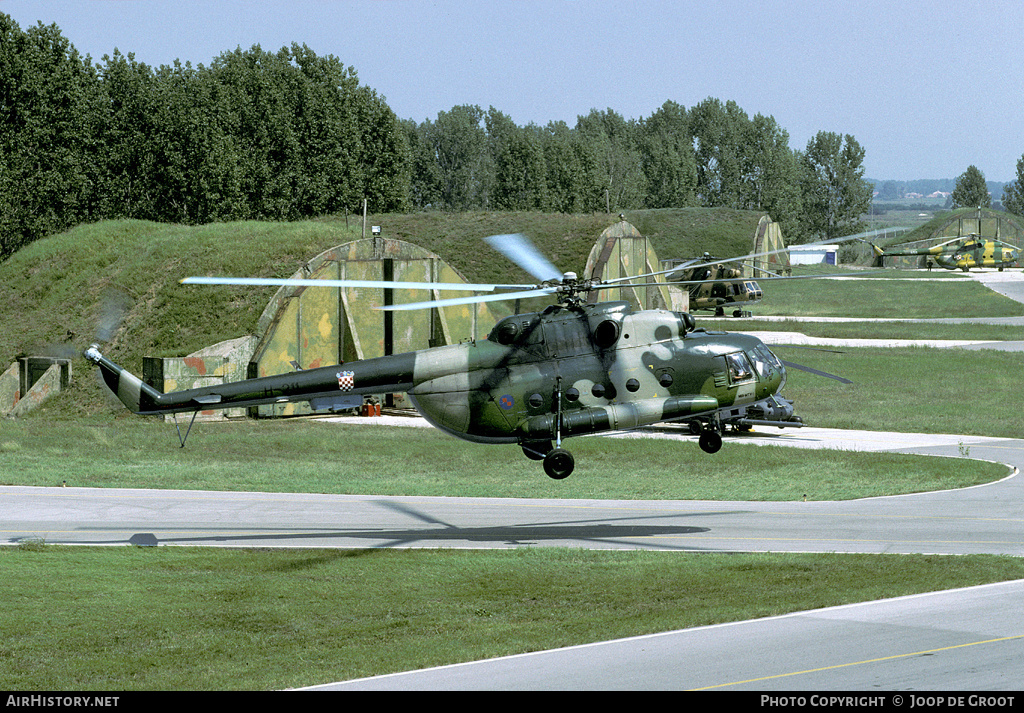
(30, 381)
(10, 389)
(221, 363)
(813, 254)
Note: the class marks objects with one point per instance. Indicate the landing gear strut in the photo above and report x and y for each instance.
(536, 450)
(558, 462)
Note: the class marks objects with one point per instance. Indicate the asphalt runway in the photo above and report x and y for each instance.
(965, 640)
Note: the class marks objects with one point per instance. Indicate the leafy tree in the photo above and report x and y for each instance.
(615, 178)
(458, 144)
(770, 175)
(351, 143)
(127, 189)
(49, 150)
(718, 142)
(971, 191)
(666, 150)
(385, 161)
(199, 166)
(260, 97)
(1013, 192)
(322, 101)
(424, 173)
(567, 165)
(890, 191)
(518, 159)
(286, 135)
(835, 194)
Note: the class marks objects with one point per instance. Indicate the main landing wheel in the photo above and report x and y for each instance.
(559, 463)
(710, 441)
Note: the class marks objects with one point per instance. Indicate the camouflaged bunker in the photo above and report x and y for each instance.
(621, 251)
(307, 327)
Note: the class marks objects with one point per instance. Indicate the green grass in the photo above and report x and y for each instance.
(200, 619)
(916, 390)
(869, 329)
(884, 297)
(53, 292)
(312, 456)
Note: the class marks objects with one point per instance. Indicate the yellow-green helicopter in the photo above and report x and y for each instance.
(961, 253)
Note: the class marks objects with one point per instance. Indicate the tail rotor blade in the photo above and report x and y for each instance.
(113, 309)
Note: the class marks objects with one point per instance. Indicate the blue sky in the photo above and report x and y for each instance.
(928, 88)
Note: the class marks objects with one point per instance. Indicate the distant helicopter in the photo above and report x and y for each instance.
(716, 286)
(538, 378)
(960, 253)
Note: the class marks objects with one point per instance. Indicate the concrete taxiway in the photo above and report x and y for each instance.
(959, 640)
(987, 519)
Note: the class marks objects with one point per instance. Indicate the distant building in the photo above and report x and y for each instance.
(813, 255)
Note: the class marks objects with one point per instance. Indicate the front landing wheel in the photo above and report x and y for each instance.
(559, 463)
(710, 441)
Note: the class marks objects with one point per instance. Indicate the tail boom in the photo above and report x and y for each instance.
(382, 374)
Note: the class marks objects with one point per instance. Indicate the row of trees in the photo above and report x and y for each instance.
(713, 154)
(256, 135)
(288, 135)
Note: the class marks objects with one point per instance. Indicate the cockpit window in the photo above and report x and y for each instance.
(765, 362)
(739, 367)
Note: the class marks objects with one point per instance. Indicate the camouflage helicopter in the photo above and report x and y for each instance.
(716, 285)
(538, 378)
(960, 253)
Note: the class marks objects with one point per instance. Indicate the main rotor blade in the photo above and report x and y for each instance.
(526, 294)
(765, 279)
(518, 248)
(809, 370)
(309, 282)
(833, 241)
